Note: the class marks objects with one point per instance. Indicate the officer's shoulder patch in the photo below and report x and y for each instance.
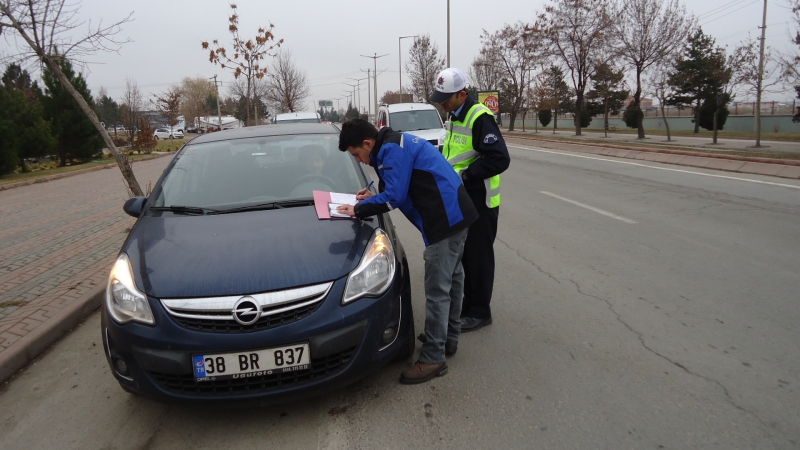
(490, 139)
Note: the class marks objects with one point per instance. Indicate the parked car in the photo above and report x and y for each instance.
(229, 287)
(420, 119)
(165, 133)
(298, 117)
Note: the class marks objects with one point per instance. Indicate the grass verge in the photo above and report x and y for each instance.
(16, 177)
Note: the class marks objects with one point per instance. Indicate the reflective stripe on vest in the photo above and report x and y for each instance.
(460, 153)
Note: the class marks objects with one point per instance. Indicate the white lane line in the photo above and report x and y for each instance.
(590, 208)
(659, 168)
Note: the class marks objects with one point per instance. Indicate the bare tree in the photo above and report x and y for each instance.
(47, 29)
(130, 107)
(648, 31)
(194, 95)
(247, 55)
(424, 65)
(169, 105)
(790, 62)
(514, 51)
(578, 34)
(659, 86)
(287, 85)
(484, 73)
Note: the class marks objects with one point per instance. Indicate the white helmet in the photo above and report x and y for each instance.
(448, 82)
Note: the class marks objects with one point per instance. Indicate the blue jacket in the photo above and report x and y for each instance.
(418, 180)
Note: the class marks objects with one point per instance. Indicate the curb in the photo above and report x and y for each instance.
(729, 163)
(44, 179)
(22, 352)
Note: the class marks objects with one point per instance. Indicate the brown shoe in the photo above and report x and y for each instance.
(421, 372)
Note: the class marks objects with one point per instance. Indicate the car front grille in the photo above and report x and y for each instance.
(188, 385)
(214, 315)
(435, 142)
(231, 326)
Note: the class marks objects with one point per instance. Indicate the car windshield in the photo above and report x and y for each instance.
(240, 172)
(415, 120)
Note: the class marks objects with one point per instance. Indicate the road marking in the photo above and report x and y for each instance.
(660, 168)
(590, 208)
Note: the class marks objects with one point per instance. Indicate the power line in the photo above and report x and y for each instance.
(719, 9)
(731, 12)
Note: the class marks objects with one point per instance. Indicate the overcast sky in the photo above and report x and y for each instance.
(327, 38)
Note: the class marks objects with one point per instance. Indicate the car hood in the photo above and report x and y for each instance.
(179, 256)
(435, 133)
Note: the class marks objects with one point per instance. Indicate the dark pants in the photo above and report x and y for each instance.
(478, 262)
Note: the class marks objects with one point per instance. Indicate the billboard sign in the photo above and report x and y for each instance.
(326, 103)
(491, 99)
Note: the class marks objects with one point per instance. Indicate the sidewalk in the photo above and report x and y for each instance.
(690, 155)
(703, 144)
(58, 240)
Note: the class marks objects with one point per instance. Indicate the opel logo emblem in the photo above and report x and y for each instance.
(246, 311)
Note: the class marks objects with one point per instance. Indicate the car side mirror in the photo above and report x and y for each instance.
(134, 206)
(446, 124)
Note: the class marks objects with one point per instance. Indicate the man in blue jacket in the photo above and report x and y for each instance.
(418, 180)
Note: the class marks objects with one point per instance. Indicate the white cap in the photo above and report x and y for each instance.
(448, 82)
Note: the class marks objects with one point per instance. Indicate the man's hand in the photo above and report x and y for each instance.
(350, 210)
(363, 194)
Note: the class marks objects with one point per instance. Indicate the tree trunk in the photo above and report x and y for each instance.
(605, 118)
(524, 113)
(664, 116)
(512, 117)
(637, 98)
(555, 120)
(697, 118)
(122, 161)
(716, 116)
(577, 115)
(246, 105)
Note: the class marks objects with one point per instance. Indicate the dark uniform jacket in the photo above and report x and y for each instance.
(493, 159)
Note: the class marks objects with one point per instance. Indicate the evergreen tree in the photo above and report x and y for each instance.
(76, 137)
(108, 112)
(545, 116)
(23, 131)
(694, 77)
(559, 93)
(607, 95)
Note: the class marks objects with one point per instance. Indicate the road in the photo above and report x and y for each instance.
(637, 305)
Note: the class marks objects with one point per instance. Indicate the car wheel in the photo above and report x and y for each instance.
(408, 347)
(155, 137)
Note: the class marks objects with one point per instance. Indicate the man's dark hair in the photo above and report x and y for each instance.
(354, 132)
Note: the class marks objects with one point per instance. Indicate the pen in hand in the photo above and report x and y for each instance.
(364, 193)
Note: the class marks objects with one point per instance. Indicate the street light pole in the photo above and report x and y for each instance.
(400, 64)
(448, 33)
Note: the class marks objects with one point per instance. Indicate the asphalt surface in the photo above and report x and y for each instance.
(637, 305)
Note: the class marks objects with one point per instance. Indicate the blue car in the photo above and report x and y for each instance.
(229, 287)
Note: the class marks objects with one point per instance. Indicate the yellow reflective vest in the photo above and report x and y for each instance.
(460, 153)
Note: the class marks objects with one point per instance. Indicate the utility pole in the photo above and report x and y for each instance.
(369, 93)
(358, 86)
(374, 58)
(760, 75)
(219, 114)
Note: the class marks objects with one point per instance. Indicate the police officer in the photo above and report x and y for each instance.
(475, 148)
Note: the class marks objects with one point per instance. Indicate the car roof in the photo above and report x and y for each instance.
(266, 131)
(397, 107)
(297, 115)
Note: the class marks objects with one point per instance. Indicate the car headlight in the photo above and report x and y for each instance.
(375, 271)
(125, 302)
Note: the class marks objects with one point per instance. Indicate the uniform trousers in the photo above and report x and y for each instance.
(478, 262)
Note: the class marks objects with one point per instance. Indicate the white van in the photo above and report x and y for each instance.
(420, 119)
(298, 117)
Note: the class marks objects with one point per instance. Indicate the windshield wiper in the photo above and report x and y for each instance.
(265, 206)
(192, 210)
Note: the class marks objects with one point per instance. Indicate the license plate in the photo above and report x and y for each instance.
(251, 363)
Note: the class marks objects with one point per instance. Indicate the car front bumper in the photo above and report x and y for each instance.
(346, 343)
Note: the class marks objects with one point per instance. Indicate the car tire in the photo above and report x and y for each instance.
(408, 347)
(155, 137)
